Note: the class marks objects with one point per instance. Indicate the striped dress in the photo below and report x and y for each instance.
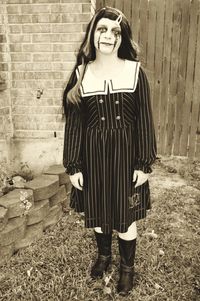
(107, 138)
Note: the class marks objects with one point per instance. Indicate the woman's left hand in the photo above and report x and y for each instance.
(140, 177)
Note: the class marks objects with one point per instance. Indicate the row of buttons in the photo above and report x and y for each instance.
(117, 117)
(101, 101)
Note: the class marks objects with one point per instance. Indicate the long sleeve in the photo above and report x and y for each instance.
(73, 138)
(146, 141)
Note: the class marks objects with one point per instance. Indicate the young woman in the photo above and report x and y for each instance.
(109, 143)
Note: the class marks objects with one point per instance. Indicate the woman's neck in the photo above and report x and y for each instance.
(106, 61)
(107, 66)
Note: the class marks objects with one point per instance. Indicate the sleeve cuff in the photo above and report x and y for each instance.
(73, 168)
(144, 168)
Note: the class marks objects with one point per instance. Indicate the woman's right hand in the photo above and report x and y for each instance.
(77, 180)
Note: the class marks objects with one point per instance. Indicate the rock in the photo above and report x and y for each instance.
(18, 182)
(43, 186)
(3, 217)
(38, 213)
(68, 187)
(58, 197)
(33, 233)
(6, 252)
(13, 231)
(58, 170)
(55, 213)
(13, 200)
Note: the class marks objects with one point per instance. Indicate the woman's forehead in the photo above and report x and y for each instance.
(108, 22)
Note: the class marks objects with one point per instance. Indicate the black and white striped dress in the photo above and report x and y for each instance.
(110, 136)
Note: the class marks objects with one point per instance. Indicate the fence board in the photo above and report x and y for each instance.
(189, 77)
(135, 20)
(173, 77)
(150, 62)
(159, 33)
(119, 4)
(143, 30)
(195, 105)
(185, 8)
(165, 75)
(127, 9)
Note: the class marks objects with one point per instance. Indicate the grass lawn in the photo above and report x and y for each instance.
(167, 266)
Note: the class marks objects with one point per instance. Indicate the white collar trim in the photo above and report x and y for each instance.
(126, 81)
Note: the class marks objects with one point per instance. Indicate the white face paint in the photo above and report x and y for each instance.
(107, 36)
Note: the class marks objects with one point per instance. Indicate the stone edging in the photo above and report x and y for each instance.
(47, 194)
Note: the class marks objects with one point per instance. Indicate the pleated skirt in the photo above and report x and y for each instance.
(109, 198)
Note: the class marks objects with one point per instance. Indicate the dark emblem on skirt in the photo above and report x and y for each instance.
(134, 200)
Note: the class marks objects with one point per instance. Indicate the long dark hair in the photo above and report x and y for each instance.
(127, 50)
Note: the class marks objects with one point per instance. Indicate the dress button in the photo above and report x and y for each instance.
(117, 102)
(118, 117)
(101, 100)
(103, 118)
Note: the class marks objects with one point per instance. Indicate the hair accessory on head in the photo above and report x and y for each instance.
(119, 19)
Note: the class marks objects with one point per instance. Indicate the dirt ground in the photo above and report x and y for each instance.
(167, 259)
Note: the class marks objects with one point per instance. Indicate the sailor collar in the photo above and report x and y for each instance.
(126, 81)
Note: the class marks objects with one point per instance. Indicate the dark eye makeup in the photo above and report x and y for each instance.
(104, 29)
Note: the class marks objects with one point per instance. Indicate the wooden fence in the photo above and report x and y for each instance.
(168, 33)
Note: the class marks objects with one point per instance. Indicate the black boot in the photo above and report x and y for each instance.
(127, 252)
(104, 242)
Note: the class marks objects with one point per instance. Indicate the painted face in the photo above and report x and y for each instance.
(107, 36)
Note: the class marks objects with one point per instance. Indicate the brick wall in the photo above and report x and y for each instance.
(38, 46)
(6, 130)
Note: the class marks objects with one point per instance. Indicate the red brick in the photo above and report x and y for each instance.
(41, 18)
(16, 47)
(21, 57)
(73, 18)
(33, 28)
(46, 57)
(68, 7)
(55, 18)
(16, 38)
(36, 110)
(63, 66)
(18, 1)
(64, 37)
(86, 8)
(14, 9)
(15, 28)
(31, 9)
(19, 19)
(42, 38)
(65, 28)
(45, 1)
(65, 47)
(37, 47)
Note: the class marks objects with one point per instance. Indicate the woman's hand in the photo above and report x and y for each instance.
(77, 180)
(140, 177)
